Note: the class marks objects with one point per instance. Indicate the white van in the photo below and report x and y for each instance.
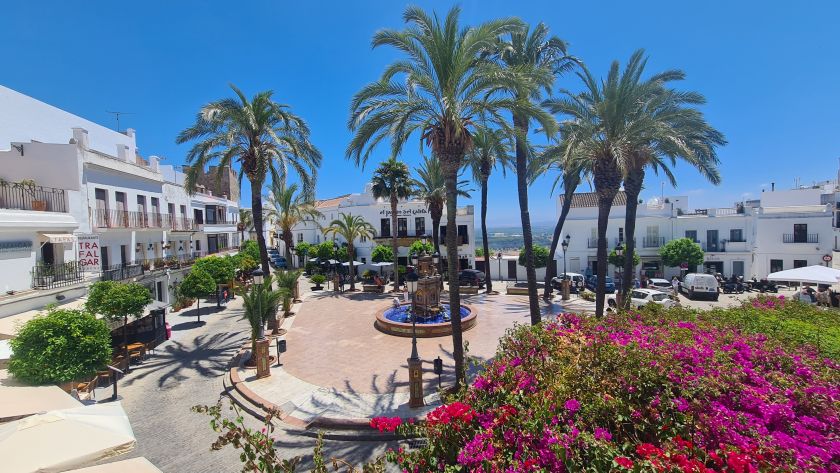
(697, 285)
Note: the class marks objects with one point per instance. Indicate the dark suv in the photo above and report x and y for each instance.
(471, 277)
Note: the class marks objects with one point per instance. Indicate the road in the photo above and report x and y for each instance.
(186, 371)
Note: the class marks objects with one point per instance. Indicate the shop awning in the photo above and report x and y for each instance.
(59, 237)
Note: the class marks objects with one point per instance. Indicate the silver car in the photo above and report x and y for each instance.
(640, 297)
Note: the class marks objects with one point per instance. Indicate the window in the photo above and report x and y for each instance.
(736, 234)
(170, 208)
(122, 202)
(210, 213)
(106, 260)
(737, 268)
(776, 265)
(402, 227)
(300, 237)
(155, 205)
(711, 240)
(443, 234)
(800, 263)
(364, 260)
(363, 239)
(198, 215)
(385, 227)
(463, 237)
(691, 235)
(198, 245)
(620, 235)
(800, 233)
(419, 226)
(141, 203)
(184, 211)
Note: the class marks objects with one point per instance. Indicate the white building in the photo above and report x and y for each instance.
(781, 230)
(67, 181)
(413, 223)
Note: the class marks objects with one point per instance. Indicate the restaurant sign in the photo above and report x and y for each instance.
(90, 254)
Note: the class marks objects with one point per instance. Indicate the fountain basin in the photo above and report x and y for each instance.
(393, 322)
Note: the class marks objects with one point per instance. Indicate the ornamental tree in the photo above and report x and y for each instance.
(540, 256)
(250, 248)
(115, 300)
(420, 246)
(197, 284)
(382, 253)
(616, 260)
(220, 269)
(679, 251)
(59, 346)
(325, 250)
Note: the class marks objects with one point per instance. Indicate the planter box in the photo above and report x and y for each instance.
(517, 291)
(468, 289)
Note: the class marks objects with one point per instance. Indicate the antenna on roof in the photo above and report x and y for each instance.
(117, 116)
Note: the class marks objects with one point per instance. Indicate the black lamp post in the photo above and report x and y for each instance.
(565, 245)
(411, 282)
(619, 252)
(499, 259)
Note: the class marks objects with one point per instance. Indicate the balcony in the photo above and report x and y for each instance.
(49, 276)
(592, 243)
(23, 196)
(104, 218)
(653, 242)
(172, 222)
(800, 238)
(120, 272)
(219, 220)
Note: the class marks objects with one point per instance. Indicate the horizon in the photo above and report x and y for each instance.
(161, 62)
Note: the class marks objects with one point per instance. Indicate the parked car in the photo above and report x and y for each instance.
(696, 285)
(279, 262)
(577, 282)
(471, 277)
(660, 284)
(640, 297)
(592, 283)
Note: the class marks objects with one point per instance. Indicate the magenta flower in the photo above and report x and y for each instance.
(572, 405)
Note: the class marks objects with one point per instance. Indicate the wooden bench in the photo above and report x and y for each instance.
(469, 289)
(373, 288)
(517, 291)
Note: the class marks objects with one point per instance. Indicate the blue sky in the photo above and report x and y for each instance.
(768, 69)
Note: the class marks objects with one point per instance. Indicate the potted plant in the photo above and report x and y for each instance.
(367, 276)
(317, 280)
(28, 186)
(146, 264)
(44, 274)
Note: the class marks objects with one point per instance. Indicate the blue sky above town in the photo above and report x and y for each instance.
(768, 69)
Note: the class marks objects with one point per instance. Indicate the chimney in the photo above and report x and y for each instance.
(129, 132)
(154, 163)
(81, 137)
(123, 154)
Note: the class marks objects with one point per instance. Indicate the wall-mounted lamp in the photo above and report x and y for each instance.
(19, 148)
(138, 247)
(151, 246)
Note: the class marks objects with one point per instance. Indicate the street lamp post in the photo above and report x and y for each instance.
(499, 259)
(261, 356)
(619, 297)
(415, 368)
(565, 245)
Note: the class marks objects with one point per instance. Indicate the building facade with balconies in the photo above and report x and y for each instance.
(413, 223)
(781, 230)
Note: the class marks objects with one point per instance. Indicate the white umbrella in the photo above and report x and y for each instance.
(65, 439)
(355, 263)
(817, 274)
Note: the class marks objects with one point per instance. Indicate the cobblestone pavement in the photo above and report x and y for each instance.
(188, 370)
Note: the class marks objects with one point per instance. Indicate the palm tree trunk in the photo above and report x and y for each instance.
(521, 125)
(551, 268)
(257, 211)
(607, 182)
(394, 242)
(633, 187)
(486, 244)
(350, 252)
(450, 164)
(287, 241)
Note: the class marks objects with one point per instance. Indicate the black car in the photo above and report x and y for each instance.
(471, 277)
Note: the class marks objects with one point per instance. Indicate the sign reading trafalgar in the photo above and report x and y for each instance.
(90, 254)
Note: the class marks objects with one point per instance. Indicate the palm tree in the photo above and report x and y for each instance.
(288, 281)
(391, 181)
(441, 90)
(543, 56)
(287, 208)
(554, 157)
(246, 223)
(430, 187)
(260, 303)
(350, 227)
(669, 127)
(490, 148)
(606, 123)
(262, 136)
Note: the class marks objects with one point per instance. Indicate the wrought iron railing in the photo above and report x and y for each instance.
(48, 276)
(801, 238)
(109, 218)
(27, 196)
(120, 272)
(653, 242)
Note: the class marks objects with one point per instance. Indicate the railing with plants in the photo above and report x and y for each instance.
(120, 272)
(25, 195)
(48, 276)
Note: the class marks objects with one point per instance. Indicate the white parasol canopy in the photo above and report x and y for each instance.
(65, 439)
(817, 274)
(355, 263)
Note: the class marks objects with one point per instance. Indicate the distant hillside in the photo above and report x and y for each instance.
(510, 238)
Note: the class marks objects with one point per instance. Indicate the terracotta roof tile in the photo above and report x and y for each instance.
(332, 202)
(590, 199)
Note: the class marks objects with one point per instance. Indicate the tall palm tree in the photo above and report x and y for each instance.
(430, 187)
(286, 208)
(392, 181)
(350, 227)
(570, 176)
(246, 223)
(543, 56)
(490, 148)
(262, 136)
(670, 127)
(441, 90)
(603, 128)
